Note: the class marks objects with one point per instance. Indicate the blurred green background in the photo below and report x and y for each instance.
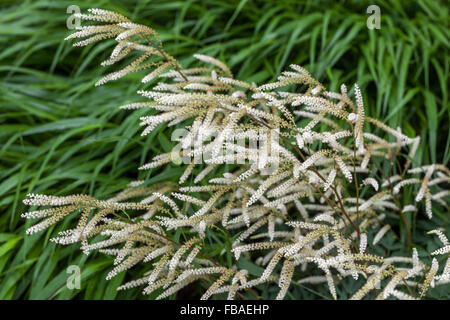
(59, 135)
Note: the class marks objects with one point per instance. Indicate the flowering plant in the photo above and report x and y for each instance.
(299, 178)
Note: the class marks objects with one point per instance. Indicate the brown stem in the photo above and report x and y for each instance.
(402, 214)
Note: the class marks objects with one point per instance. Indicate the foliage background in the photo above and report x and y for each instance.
(60, 135)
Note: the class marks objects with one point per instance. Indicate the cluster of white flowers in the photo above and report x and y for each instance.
(305, 193)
